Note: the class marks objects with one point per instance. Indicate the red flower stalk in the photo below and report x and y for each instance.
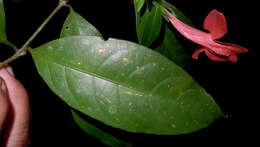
(216, 24)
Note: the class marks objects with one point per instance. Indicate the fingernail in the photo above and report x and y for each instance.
(10, 70)
(3, 88)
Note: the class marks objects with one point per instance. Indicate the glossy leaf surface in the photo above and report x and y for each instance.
(149, 25)
(103, 136)
(2, 22)
(72, 28)
(125, 85)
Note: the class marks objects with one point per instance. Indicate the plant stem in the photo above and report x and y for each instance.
(10, 44)
(25, 47)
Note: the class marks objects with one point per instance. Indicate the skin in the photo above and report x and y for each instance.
(14, 111)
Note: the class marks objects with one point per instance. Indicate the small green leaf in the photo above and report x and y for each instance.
(149, 25)
(171, 48)
(2, 22)
(103, 136)
(139, 4)
(125, 85)
(76, 25)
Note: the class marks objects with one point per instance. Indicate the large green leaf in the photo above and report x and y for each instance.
(77, 25)
(125, 85)
(2, 22)
(171, 48)
(103, 136)
(149, 25)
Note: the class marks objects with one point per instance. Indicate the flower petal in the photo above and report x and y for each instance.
(217, 51)
(214, 57)
(216, 24)
(196, 53)
(234, 48)
(189, 32)
(233, 58)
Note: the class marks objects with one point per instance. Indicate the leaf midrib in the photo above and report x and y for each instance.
(50, 60)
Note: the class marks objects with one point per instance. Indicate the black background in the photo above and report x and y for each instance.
(233, 86)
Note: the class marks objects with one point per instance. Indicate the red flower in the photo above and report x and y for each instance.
(216, 24)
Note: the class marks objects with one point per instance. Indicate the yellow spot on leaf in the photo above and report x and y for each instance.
(173, 126)
(125, 59)
(133, 93)
(101, 50)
